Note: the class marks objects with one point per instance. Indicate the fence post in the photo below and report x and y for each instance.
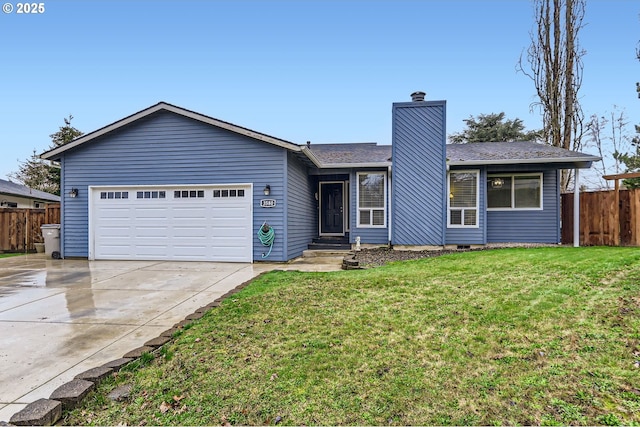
(27, 230)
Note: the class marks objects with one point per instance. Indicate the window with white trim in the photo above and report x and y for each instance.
(463, 199)
(372, 199)
(522, 191)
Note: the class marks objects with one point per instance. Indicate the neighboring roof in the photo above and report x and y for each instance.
(488, 153)
(164, 106)
(13, 189)
(362, 154)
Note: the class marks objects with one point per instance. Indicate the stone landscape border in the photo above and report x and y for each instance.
(46, 412)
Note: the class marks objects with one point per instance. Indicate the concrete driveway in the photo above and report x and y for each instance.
(59, 318)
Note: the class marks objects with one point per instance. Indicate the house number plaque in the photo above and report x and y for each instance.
(268, 203)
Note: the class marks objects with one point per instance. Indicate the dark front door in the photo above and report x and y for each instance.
(331, 208)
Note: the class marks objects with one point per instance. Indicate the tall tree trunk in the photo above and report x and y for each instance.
(555, 67)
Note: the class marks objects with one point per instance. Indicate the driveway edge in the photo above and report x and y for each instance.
(49, 411)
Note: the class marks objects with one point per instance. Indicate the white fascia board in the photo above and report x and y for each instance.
(358, 165)
(588, 160)
(311, 157)
(181, 111)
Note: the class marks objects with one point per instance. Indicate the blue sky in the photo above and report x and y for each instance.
(299, 70)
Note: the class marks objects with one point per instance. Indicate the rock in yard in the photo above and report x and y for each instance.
(120, 393)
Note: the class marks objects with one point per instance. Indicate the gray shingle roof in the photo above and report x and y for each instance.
(355, 153)
(14, 189)
(458, 154)
(511, 152)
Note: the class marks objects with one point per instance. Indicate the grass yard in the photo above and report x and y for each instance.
(7, 255)
(513, 336)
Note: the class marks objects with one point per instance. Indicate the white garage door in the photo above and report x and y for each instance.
(187, 223)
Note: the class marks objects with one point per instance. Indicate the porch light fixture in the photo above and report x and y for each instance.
(267, 190)
(73, 193)
(497, 182)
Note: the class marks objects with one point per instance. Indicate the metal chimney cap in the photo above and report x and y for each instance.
(417, 96)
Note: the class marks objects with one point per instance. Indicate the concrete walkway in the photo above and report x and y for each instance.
(59, 318)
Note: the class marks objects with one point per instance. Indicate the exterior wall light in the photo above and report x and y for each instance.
(73, 193)
(267, 190)
(497, 183)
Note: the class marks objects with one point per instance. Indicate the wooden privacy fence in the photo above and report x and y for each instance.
(601, 221)
(20, 228)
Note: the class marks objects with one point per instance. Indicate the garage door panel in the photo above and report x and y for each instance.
(150, 249)
(151, 214)
(194, 226)
(113, 232)
(190, 232)
(231, 232)
(114, 251)
(150, 232)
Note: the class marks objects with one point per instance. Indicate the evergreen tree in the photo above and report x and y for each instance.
(41, 175)
(494, 128)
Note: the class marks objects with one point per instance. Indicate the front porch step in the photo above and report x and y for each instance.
(326, 253)
(331, 243)
(331, 239)
(330, 246)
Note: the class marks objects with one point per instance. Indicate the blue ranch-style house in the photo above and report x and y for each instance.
(168, 183)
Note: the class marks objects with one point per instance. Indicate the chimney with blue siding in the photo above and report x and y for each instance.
(419, 182)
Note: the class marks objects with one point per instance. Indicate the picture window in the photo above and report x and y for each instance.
(506, 192)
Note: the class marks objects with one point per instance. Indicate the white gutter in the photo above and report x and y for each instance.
(311, 156)
(524, 161)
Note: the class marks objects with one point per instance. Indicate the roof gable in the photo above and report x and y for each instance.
(163, 106)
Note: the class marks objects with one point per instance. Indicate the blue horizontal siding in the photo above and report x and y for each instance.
(302, 214)
(167, 148)
(534, 226)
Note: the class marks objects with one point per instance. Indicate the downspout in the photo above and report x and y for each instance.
(390, 203)
(576, 209)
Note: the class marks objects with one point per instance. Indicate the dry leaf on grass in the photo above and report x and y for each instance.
(164, 407)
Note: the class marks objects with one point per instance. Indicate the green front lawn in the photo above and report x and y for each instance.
(514, 336)
(6, 255)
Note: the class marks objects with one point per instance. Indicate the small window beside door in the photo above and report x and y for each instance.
(372, 199)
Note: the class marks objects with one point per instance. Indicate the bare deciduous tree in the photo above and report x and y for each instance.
(555, 67)
(609, 135)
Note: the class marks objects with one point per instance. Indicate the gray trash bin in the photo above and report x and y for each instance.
(51, 234)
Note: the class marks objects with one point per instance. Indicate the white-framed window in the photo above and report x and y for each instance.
(514, 191)
(463, 199)
(372, 199)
